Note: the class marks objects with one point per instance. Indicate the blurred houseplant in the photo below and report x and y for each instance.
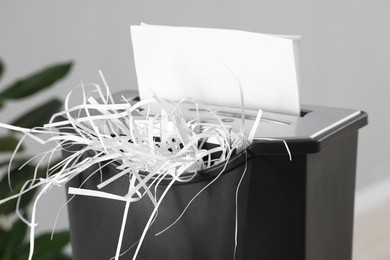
(13, 244)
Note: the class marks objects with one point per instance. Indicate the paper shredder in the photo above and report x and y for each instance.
(300, 209)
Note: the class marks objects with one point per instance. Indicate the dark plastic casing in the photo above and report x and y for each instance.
(300, 209)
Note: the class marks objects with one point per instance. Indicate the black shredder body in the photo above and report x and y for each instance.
(300, 209)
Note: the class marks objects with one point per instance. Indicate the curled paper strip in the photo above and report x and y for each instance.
(148, 141)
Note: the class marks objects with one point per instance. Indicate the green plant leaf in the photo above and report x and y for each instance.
(8, 143)
(18, 179)
(47, 249)
(1, 68)
(3, 241)
(14, 239)
(39, 115)
(36, 82)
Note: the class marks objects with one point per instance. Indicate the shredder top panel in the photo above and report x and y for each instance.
(316, 127)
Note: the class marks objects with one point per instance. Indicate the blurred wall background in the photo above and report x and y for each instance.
(344, 55)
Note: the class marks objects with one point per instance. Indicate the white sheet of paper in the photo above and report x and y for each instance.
(205, 64)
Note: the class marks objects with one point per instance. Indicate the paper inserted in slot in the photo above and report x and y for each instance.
(209, 65)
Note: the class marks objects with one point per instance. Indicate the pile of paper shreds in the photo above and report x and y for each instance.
(148, 141)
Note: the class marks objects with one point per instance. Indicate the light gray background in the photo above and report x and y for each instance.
(344, 55)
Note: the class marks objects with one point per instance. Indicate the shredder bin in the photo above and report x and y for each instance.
(298, 209)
